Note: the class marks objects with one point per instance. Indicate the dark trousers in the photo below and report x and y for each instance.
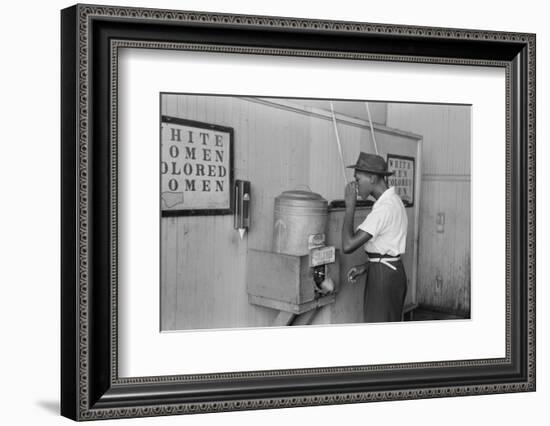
(385, 291)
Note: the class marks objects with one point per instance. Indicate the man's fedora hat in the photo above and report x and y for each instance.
(371, 163)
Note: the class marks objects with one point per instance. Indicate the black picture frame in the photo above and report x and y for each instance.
(90, 386)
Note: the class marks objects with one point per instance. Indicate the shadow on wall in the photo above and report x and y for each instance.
(51, 407)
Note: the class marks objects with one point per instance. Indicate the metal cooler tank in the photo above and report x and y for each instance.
(298, 217)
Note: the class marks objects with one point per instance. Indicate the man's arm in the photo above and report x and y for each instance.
(352, 240)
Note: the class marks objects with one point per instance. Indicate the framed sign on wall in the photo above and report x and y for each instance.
(196, 168)
(403, 177)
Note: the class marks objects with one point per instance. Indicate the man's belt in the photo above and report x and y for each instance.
(383, 258)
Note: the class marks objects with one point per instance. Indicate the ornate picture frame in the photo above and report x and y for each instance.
(91, 387)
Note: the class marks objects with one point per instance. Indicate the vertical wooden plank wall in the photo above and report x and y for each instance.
(444, 256)
(203, 258)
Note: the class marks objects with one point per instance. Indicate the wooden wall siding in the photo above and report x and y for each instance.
(446, 135)
(203, 259)
(444, 270)
(356, 109)
(278, 162)
(326, 177)
(444, 257)
(207, 255)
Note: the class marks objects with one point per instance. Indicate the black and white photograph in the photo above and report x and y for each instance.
(302, 212)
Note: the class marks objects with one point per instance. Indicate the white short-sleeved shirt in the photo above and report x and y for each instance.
(387, 223)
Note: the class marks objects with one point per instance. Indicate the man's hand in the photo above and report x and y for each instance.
(355, 272)
(350, 195)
